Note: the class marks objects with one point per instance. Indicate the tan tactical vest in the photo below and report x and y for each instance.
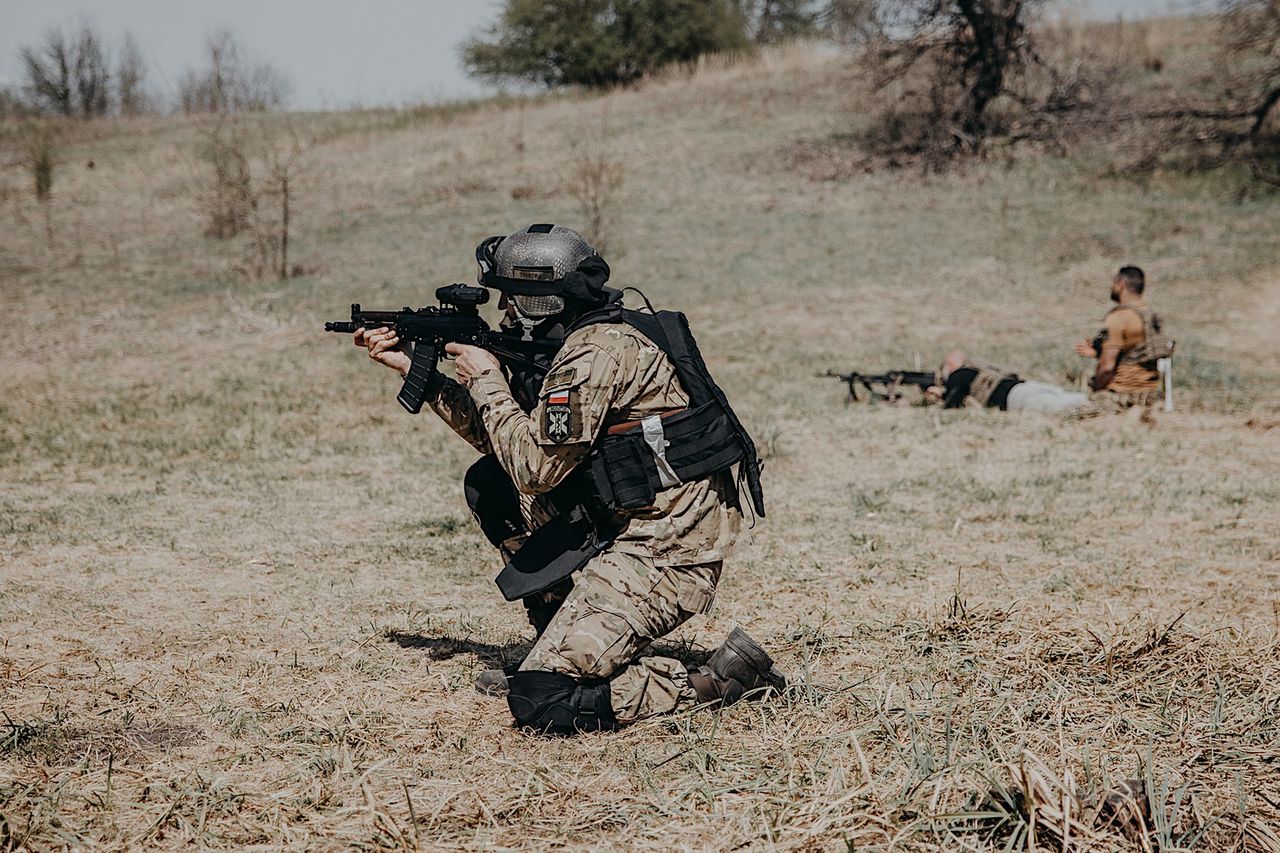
(1155, 345)
(987, 381)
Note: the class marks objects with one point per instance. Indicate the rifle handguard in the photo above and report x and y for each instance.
(422, 382)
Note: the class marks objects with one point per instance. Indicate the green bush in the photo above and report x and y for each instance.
(601, 43)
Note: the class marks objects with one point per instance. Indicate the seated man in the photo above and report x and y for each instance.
(1128, 348)
(997, 388)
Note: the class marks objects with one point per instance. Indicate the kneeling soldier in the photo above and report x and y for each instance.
(608, 486)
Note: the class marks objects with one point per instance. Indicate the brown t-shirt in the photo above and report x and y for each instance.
(1124, 329)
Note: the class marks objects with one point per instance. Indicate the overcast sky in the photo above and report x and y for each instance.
(336, 53)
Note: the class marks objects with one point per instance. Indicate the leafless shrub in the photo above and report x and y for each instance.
(249, 189)
(229, 199)
(282, 162)
(1226, 116)
(130, 73)
(37, 141)
(91, 73)
(38, 154)
(231, 81)
(1252, 45)
(595, 182)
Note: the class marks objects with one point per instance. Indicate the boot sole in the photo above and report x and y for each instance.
(752, 652)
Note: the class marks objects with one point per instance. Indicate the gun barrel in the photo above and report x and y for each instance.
(342, 328)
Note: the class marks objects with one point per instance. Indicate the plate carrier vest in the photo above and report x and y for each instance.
(626, 470)
(987, 381)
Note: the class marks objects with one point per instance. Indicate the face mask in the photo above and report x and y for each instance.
(537, 307)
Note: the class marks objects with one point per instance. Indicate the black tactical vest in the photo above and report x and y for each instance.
(627, 470)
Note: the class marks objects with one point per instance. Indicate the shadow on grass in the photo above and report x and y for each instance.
(443, 648)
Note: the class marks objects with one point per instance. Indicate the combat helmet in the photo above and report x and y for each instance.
(540, 266)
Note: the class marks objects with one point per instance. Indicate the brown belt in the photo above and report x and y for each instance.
(618, 429)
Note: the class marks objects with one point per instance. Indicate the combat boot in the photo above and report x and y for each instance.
(737, 668)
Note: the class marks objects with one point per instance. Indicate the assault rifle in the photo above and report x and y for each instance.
(456, 320)
(884, 386)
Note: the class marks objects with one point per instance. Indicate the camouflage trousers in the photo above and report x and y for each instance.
(1114, 402)
(619, 604)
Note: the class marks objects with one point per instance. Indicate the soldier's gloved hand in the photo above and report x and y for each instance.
(470, 362)
(385, 347)
(1086, 349)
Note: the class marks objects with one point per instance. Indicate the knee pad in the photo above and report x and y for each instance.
(493, 501)
(551, 703)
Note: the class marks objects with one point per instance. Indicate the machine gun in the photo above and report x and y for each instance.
(884, 386)
(456, 320)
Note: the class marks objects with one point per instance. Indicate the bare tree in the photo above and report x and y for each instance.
(131, 71)
(69, 75)
(231, 81)
(594, 183)
(283, 162)
(229, 198)
(48, 70)
(92, 73)
(973, 48)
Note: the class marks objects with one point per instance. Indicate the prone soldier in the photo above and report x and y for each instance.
(606, 485)
(962, 380)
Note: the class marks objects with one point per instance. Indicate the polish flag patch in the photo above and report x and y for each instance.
(559, 398)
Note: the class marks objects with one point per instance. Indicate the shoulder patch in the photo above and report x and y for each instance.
(559, 378)
(557, 417)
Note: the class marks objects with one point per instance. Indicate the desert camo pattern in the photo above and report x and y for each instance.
(664, 564)
(609, 374)
(620, 603)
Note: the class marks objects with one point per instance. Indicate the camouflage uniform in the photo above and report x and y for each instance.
(663, 565)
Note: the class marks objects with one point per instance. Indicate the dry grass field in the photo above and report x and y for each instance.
(242, 601)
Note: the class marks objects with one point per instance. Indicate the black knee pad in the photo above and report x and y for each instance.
(493, 500)
(551, 703)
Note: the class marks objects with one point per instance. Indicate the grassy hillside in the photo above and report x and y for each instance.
(242, 601)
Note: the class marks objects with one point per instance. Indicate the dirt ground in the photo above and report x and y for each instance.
(242, 601)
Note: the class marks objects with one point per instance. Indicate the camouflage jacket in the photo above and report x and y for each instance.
(605, 374)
